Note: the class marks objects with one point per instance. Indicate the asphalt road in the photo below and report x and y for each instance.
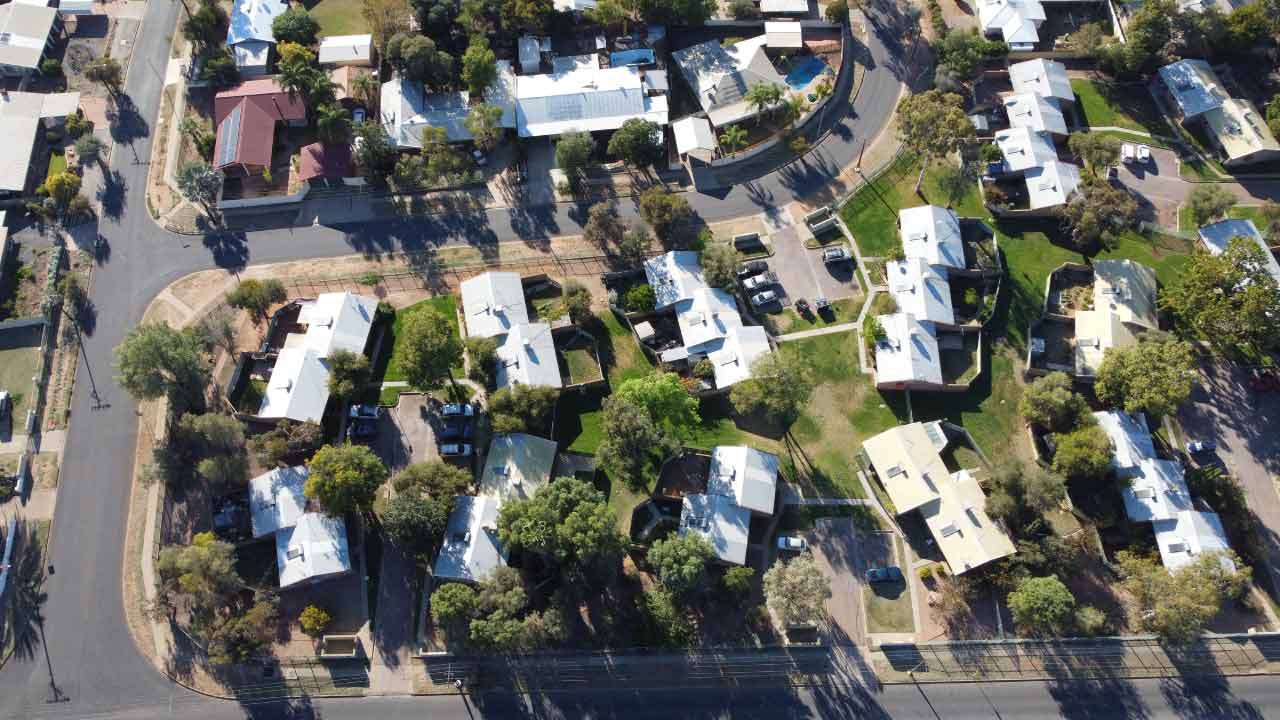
(88, 665)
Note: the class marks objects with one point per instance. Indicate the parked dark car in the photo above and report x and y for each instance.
(884, 574)
(457, 410)
(362, 430)
(456, 428)
(365, 411)
(837, 254)
(751, 267)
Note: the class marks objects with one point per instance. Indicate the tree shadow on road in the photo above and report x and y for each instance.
(112, 194)
(22, 616)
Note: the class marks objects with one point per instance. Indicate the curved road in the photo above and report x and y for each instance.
(88, 654)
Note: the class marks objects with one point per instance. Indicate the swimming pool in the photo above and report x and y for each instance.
(805, 72)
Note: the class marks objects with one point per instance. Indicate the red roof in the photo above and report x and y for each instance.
(246, 117)
(328, 160)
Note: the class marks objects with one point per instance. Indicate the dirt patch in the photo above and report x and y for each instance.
(199, 288)
(63, 364)
(160, 197)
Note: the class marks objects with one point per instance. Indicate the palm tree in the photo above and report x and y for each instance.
(332, 123)
(366, 89)
(294, 78)
(763, 97)
(733, 137)
(792, 109)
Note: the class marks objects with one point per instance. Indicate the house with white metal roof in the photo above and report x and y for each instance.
(249, 33)
(1047, 78)
(1131, 441)
(734, 359)
(587, 97)
(784, 7)
(1124, 305)
(493, 304)
(908, 355)
(527, 356)
(340, 50)
(932, 234)
(276, 499)
(721, 76)
(1216, 236)
(694, 134)
(953, 506)
(1190, 534)
(406, 109)
(23, 116)
(1025, 149)
(1051, 184)
(674, 276)
(312, 550)
(706, 318)
(517, 465)
(747, 475)
(1231, 123)
(783, 34)
(1017, 22)
(471, 550)
(721, 521)
(921, 290)
(1035, 112)
(1193, 86)
(26, 33)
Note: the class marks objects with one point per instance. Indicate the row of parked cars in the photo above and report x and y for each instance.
(453, 436)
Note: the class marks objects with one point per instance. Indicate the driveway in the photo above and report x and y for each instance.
(405, 434)
(845, 553)
(801, 272)
(1158, 183)
(1246, 426)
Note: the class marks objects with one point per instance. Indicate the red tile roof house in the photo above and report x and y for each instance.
(246, 117)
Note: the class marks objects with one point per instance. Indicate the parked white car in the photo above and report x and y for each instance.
(1128, 152)
(764, 298)
(1144, 154)
(757, 282)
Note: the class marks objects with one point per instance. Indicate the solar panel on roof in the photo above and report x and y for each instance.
(230, 136)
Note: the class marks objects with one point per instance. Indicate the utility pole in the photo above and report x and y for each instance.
(75, 323)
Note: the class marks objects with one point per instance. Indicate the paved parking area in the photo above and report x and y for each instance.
(845, 553)
(801, 272)
(405, 433)
(1158, 186)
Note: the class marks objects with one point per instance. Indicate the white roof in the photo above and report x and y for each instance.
(471, 550)
(1024, 148)
(1241, 131)
(20, 116)
(528, 357)
(517, 465)
(75, 7)
(313, 549)
(721, 76)
(932, 234)
(1126, 289)
(1131, 442)
(1194, 87)
(585, 98)
(674, 276)
(909, 351)
(784, 34)
(298, 388)
(25, 30)
(337, 321)
(346, 48)
(706, 318)
(529, 51)
(1051, 184)
(921, 290)
(1217, 235)
(1157, 492)
(1016, 20)
(693, 133)
(1035, 112)
(406, 109)
(252, 53)
(251, 20)
(573, 5)
(720, 521)
(276, 500)
(1190, 534)
(787, 7)
(734, 359)
(1043, 77)
(493, 303)
(1096, 331)
(747, 475)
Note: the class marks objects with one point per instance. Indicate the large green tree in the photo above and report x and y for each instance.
(933, 125)
(1051, 402)
(523, 408)
(573, 155)
(1084, 452)
(780, 385)
(431, 349)
(434, 477)
(1207, 203)
(344, 479)
(680, 562)
(634, 443)
(257, 296)
(479, 66)
(348, 373)
(720, 265)
(1098, 151)
(1043, 606)
(415, 520)
(638, 142)
(664, 212)
(1178, 605)
(155, 360)
(484, 122)
(797, 590)
(1152, 376)
(567, 522)
(664, 398)
(1228, 300)
(295, 25)
(1098, 213)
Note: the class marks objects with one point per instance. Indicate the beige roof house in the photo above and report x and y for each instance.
(518, 464)
(907, 460)
(1124, 305)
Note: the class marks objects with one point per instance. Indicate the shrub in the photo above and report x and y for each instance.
(1091, 621)
(314, 620)
(370, 278)
(641, 299)
(744, 10)
(51, 67)
(704, 369)
(926, 572)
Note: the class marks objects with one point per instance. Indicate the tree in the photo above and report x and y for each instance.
(720, 265)
(525, 16)
(1152, 376)
(434, 477)
(257, 296)
(634, 247)
(1084, 452)
(733, 137)
(344, 479)
(348, 373)
(573, 154)
(837, 12)
(603, 228)
(108, 72)
(963, 50)
(314, 620)
(385, 18)
(62, 187)
(1088, 39)
(1229, 299)
(664, 398)
(1051, 402)
(633, 442)
(764, 97)
(640, 298)
(523, 408)
(577, 302)
(1269, 222)
(155, 359)
(743, 10)
(1043, 606)
(88, 150)
(479, 66)
(1098, 214)
(1020, 495)
(203, 27)
(566, 522)
(202, 574)
(1207, 203)
(432, 348)
(296, 26)
(366, 88)
(482, 359)
(373, 152)
(933, 125)
(1098, 151)
(682, 12)
(797, 590)
(680, 562)
(484, 122)
(418, 58)
(610, 13)
(1273, 114)
(780, 385)
(1177, 605)
(243, 637)
(288, 440)
(201, 184)
(454, 606)
(638, 142)
(294, 56)
(664, 211)
(1249, 26)
(220, 70)
(416, 521)
(333, 123)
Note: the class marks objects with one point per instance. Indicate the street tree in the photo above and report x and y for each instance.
(484, 122)
(1051, 402)
(1097, 150)
(479, 66)
(797, 590)
(1043, 606)
(453, 606)
(1097, 214)
(573, 155)
(243, 636)
(202, 575)
(200, 184)
(781, 383)
(295, 25)
(680, 562)
(431, 349)
(720, 261)
(1151, 376)
(577, 302)
(344, 479)
(108, 72)
(567, 522)
(634, 443)
(88, 150)
(385, 18)
(203, 28)
(664, 398)
(664, 212)
(257, 296)
(523, 408)
(638, 143)
(348, 373)
(1082, 453)
(415, 520)
(1229, 300)
(933, 125)
(1178, 605)
(156, 360)
(1207, 203)
(603, 227)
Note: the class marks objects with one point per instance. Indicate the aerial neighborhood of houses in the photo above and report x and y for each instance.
(675, 326)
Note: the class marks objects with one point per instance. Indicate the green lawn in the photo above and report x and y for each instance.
(804, 517)
(446, 305)
(1125, 106)
(57, 163)
(789, 321)
(338, 17)
(578, 425)
(17, 367)
(582, 365)
(889, 605)
(872, 213)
